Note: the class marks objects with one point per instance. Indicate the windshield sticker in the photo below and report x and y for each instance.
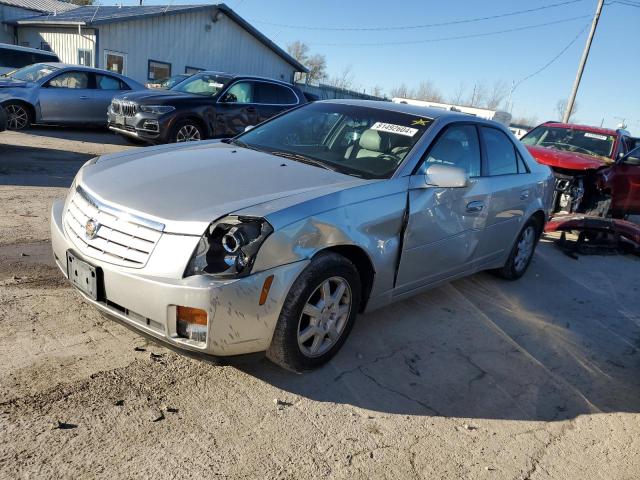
(421, 122)
(595, 135)
(216, 85)
(391, 128)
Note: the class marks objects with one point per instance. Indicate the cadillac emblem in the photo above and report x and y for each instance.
(91, 229)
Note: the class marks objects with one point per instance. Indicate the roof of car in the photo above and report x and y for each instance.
(27, 49)
(588, 128)
(417, 110)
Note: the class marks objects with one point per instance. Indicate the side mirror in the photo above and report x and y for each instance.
(443, 176)
(248, 127)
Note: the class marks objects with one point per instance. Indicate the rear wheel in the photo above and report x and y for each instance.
(18, 116)
(522, 252)
(318, 313)
(186, 131)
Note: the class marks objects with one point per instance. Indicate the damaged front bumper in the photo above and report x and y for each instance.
(146, 299)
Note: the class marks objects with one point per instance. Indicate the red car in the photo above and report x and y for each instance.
(596, 171)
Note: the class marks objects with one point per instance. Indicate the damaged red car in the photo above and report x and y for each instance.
(597, 170)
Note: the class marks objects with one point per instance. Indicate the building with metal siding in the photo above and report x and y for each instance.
(145, 42)
(11, 10)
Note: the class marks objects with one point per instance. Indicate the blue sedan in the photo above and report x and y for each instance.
(60, 94)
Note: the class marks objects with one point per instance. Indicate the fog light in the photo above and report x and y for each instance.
(191, 323)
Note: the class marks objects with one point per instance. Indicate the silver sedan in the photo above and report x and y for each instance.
(275, 240)
(59, 94)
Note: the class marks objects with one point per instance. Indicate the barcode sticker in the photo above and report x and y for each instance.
(595, 135)
(391, 128)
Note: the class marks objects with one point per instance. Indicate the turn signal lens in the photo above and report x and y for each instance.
(191, 323)
(265, 289)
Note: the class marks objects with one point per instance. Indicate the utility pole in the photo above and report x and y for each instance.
(583, 61)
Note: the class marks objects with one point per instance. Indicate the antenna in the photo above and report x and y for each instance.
(95, 13)
(167, 7)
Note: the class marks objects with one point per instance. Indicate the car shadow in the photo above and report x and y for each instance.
(561, 342)
(37, 166)
(81, 134)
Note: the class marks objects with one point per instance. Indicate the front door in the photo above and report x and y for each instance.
(625, 185)
(236, 110)
(67, 98)
(445, 225)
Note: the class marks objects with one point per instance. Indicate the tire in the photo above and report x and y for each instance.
(519, 260)
(186, 131)
(18, 116)
(298, 344)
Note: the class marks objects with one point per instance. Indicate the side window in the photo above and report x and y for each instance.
(501, 153)
(241, 92)
(522, 167)
(458, 147)
(70, 80)
(107, 82)
(272, 94)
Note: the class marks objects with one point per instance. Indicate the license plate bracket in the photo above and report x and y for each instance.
(120, 120)
(83, 276)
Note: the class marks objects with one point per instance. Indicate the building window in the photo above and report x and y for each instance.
(193, 70)
(115, 62)
(158, 70)
(84, 57)
(45, 46)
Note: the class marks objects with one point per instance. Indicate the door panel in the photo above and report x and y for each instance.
(625, 186)
(107, 87)
(236, 110)
(443, 233)
(66, 98)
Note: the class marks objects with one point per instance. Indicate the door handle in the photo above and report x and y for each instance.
(524, 194)
(84, 97)
(251, 109)
(475, 207)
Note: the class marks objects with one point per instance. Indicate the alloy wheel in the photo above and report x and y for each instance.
(526, 242)
(324, 317)
(18, 117)
(188, 133)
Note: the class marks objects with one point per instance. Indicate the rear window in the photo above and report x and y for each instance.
(11, 58)
(272, 94)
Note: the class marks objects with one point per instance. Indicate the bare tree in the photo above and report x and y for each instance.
(458, 95)
(496, 95)
(479, 95)
(317, 64)
(401, 91)
(344, 79)
(377, 91)
(428, 91)
(561, 108)
(530, 121)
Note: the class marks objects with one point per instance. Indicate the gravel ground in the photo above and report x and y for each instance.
(479, 379)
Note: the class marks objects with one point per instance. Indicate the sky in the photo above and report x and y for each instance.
(398, 43)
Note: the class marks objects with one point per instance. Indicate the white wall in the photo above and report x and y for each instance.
(64, 42)
(190, 39)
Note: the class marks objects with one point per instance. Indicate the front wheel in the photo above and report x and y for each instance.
(186, 131)
(522, 252)
(318, 313)
(18, 116)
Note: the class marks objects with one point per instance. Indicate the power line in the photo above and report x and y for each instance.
(550, 62)
(457, 37)
(428, 25)
(627, 3)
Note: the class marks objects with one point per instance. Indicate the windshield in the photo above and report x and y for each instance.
(202, 84)
(33, 73)
(360, 141)
(571, 140)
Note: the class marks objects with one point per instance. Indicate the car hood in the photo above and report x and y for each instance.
(186, 188)
(8, 82)
(568, 160)
(159, 97)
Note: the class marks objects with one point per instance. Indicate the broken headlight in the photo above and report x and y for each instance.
(229, 247)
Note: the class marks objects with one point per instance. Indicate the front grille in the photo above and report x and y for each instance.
(120, 238)
(124, 108)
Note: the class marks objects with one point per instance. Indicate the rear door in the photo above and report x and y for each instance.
(509, 181)
(273, 98)
(107, 87)
(67, 98)
(444, 226)
(624, 179)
